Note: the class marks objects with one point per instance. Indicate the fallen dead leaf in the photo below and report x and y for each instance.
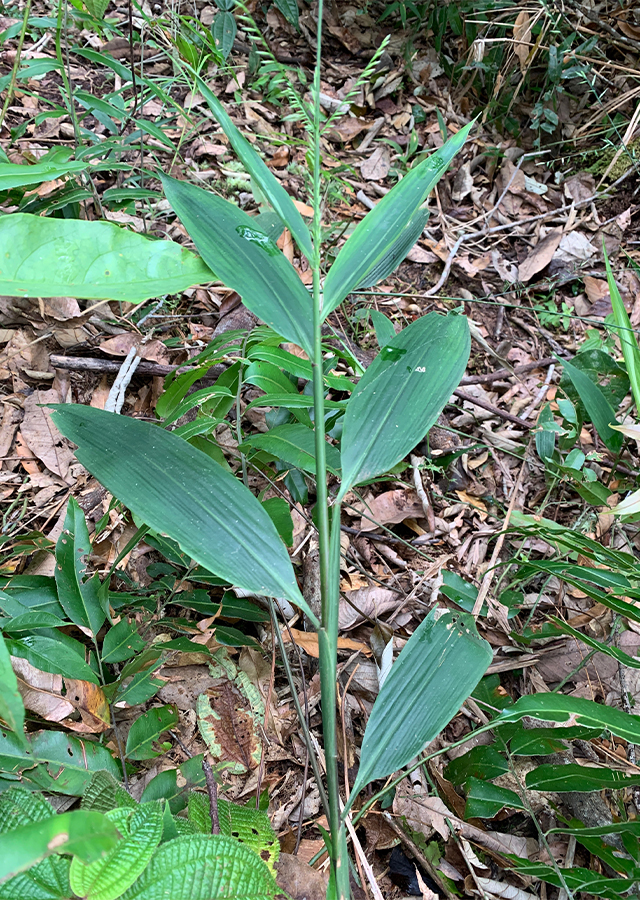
(391, 507)
(299, 880)
(424, 814)
(522, 38)
(308, 641)
(372, 600)
(121, 344)
(43, 438)
(377, 166)
(540, 256)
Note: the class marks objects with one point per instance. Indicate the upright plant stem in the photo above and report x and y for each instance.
(328, 538)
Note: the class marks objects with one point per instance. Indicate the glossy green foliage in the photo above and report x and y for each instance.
(78, 593)
(13, 175)
(245, 259)
(597, 406)
(294, 444)
(47, 257)
(436, 671)
(146, 730)
(259, 171)
(401, 395)
(181, 492)
(11, 705)
(383, 237)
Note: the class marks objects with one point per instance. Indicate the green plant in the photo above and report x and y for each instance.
(392, 407)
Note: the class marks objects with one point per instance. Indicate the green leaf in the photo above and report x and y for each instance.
(46, 880)
(574, 777)
(11, 705)
(560, 708)
(259, 171)
(200, 867)
(544, 741)
(479, 762)
(396, 253)
(245, 823)
(50, 655)
(597, 406)
(485, 800)
(545, 438)
(165, 785)
(268, 378)
(121, 642)
(147, 728)
(245, 260)
(78, 594)
(110, 876)
(280, 515)
(13, 175)
(29, 620)
(626, 333)
(577, 879)
(392, 220)
(180, 492)
(224, 30)
(47, 257)
(401, 395)
(84, 834)
(289, 9)
(385, 332)
(104, 793)
(66, 763)
(443, 661)
(294, 444)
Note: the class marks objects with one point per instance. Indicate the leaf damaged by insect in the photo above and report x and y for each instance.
(230, 716)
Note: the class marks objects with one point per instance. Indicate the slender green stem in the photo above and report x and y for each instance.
(328, 538)
(16, 65)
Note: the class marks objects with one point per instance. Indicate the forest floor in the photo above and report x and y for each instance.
(515, 237)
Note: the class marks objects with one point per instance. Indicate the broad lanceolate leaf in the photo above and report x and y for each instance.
(295, 445)
(245, 259)
(397, 252)
(436, 671)
(84, 834)
(181, 492)
(147, 729)
(199, 867)
(50, 655)
(78, 594)
(384, 232)
(596, 404)
(224, 30)
(46, 257)
(110, 876)
(97, 8)
(574, 777)
(11, 705)
(14, 175)
(66, 763)
(560, 708)
(259, 171)
(401, 395)
(626, 334)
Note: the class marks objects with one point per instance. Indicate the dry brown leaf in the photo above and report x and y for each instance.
(377, 166)
(10, 421)
(596, 289)
(299, 880)
(522, 38)
(121, 344)
(372, 600)
(540, 256)
(61, 308)
(345, 129)
(423, 813)
(41, 692)
(43, 438)
(580, 187)
(390, 507)
(308, 641)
